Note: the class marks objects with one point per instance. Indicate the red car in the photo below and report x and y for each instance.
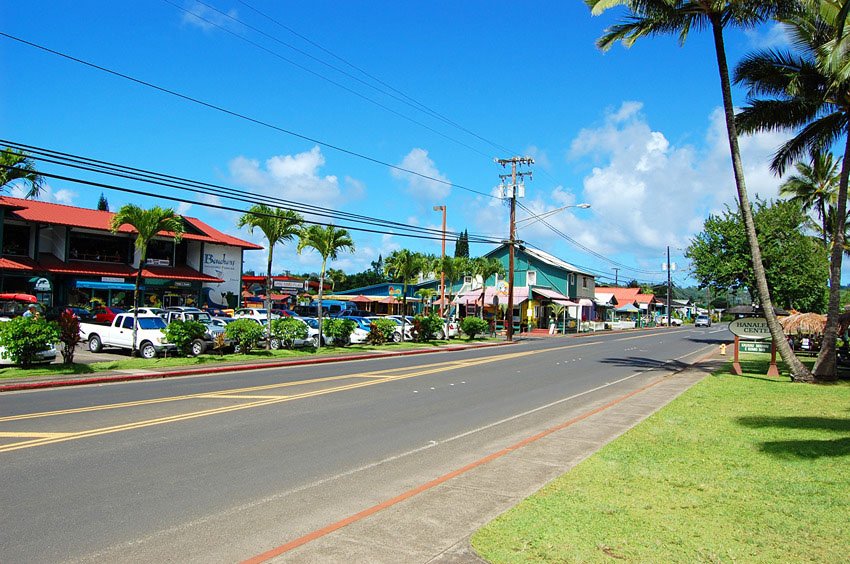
(104, 314)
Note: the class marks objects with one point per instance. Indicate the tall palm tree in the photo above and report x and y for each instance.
(328, 241)
(664, 17)
(16, 165)
(278, 225)
(485, 268)
(405, 266)
(815, 186)
(426, 294)
(148, 224)
(803, 91)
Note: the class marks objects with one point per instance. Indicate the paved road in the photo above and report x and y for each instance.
(219, 468)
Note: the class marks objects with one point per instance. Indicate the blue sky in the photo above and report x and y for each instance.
(636, 133)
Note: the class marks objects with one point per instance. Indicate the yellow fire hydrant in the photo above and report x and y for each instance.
(723, 349)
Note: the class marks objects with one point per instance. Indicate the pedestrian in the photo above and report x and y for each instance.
(31, 312)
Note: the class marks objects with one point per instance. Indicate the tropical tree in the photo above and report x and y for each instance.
(328, 241)
(336, 277)
(16, 166)
(663, 17)
(485, 268)
(278, 225)
(102, 203)
(405, 266)
(426, 295)
(807, 90)
(148, 224)
(815, 186)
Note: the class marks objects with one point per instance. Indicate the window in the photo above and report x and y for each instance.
(531, 278)
(584, 281)
(98, 248)
(467, 279)
(127, 322)
(16, 240)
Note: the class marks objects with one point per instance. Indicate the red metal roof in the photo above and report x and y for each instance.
(17, 263)
(50, 263)
(177, 273)
(59, 214)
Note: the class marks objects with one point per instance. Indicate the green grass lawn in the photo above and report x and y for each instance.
(737, 469)
(212, 358)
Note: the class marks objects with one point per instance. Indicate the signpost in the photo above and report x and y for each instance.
(755, 332)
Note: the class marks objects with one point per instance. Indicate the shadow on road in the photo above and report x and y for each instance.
(644, 363)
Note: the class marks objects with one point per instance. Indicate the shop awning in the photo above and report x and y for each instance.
(18, 263)
(585, 302)
(94, 284)
(550, 294)
(491, 296)
(567, 303)
(178, 273)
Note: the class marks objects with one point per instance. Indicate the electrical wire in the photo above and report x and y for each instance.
(241, 116)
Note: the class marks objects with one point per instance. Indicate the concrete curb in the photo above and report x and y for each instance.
(21, 386)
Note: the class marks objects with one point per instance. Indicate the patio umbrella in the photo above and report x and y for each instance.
(361, 299)
(628, 308)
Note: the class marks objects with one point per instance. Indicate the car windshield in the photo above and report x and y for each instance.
(314, 323)
(203, 317)
(151, 323)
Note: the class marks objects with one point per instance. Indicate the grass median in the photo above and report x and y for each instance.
(737, 469)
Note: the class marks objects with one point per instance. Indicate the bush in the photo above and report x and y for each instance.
(69, 335)
(24, 337)
(183, 333)
(338, 329)
(287, 330)
(426, 327)
(381, 331)
(245, 334)
(472, 326)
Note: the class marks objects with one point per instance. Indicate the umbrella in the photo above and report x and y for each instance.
(389, 300)
(628, 308)
(361, 299)
(805, 323)
(29, 298)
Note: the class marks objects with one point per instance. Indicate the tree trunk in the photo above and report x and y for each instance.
(319, 312)
(823, 215)
(269, 299)
(825, 367)
(799, 373)
(142, 257)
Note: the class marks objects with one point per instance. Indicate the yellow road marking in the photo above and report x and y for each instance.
(26, 434)
(231, 396)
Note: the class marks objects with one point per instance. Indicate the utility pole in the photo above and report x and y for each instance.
(668, 285)
(513, 191)
(616, 272)
(443, 257)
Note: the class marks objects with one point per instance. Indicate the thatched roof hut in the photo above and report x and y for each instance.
(803, 324)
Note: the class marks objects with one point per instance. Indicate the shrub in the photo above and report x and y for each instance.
(381, 331)
(69, 335)
(24, 337)
(338, 329)
(426, 327)
(472, 326)
(245, 334)
(287, 330)
(183, 333)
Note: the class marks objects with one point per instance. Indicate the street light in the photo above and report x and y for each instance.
(443, 256)
(535, 218)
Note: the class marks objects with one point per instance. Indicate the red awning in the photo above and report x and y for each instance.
(177, 273)
(29, 298)
(17, 263)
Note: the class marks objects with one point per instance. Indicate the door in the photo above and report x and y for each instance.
(123, 334)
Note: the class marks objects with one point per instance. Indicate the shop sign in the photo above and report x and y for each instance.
(750, 328)
(395, 291)
(115, 279)
(292, 284)
(754, 346)
(183, 284)
(43, 285)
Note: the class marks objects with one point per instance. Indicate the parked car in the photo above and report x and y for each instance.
(150, 311)
(674, 321)
(119, 333)
(195, 314)
(408, 328)
(254, 313)
(349, 313)
(80, 313)
(106, 314)
(312, 338)
(361, 331)
(702, 320)
(284, 313)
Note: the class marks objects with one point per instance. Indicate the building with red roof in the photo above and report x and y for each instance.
(69, 256)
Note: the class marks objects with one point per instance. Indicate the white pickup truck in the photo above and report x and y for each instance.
(149, 336)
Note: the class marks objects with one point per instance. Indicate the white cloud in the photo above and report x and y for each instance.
(48, 194)
(294, 177)
(776, 35)
(204, 17)
(540, 156)
(431, 189)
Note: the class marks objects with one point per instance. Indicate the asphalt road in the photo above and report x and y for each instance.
(223, 467)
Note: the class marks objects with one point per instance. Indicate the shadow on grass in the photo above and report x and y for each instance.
(803, 448)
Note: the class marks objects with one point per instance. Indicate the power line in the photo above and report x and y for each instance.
(245, 117)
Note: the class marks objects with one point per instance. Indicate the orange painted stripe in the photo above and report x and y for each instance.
(319, 533)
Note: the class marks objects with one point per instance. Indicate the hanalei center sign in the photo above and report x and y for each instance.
(754, 328)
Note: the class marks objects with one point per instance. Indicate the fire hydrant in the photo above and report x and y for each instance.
(723, 349)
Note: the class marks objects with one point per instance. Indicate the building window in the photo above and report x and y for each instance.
(573, 279)
(16, 240)
(98, 248)
(531, 278)
(584, 281)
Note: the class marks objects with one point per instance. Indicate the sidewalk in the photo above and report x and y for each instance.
(433, 523)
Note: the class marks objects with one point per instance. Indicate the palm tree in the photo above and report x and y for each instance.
(485, 268)
(426, 294)
(814, 186)
(278, 225)
(805, 92)
(148, 224)
(663, 17)
(16, 165)
(328, 241)
(405, 266)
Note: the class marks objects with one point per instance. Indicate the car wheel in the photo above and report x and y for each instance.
(441, 335)
(274, 344)
(314, 341)
(237, 349)
(396, 337)
(147, 350)
(95, 345)
(198, 347)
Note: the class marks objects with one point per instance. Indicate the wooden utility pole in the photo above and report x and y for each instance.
(514, 190)
(443, 258)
